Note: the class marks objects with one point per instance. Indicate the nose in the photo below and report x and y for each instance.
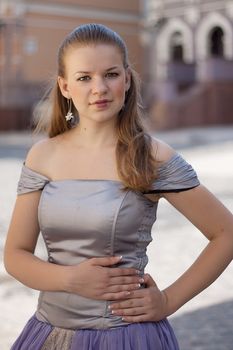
(99, 86)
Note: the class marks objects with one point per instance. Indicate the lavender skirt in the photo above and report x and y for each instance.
(39, 335)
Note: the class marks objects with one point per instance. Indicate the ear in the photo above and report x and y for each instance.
(62, 82)
(127, 78)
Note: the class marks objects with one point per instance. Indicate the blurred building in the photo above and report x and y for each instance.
(189, 70)
(30, 33)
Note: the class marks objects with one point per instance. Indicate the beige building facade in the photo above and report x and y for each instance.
(30, 33)
(190, 59)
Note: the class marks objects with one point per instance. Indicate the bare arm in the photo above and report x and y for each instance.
(210, 216)
(20, 245)
(93, 278)
(216, 223)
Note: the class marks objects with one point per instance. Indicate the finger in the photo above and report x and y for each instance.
(149, 280)
(114, 296)
(106, 261)
(126, 304)
(109, 261)
(134, 294)
(116, 272)
(126, 280)
(121, 288)
(121, 296)
(136, 311)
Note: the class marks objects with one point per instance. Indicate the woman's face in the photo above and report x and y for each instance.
(96, 81)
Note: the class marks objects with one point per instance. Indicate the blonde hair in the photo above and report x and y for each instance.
(134, 154)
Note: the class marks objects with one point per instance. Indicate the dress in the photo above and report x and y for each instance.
(81, 219)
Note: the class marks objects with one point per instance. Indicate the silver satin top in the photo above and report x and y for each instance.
(80, 219)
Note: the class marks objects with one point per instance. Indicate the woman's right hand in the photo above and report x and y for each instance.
(98, 278)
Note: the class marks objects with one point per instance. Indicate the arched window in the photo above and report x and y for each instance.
(216, 42)
(176, 47)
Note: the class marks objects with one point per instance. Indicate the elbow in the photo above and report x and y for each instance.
(9, 261)
(6, 261)
(228, 235)
(225, 241)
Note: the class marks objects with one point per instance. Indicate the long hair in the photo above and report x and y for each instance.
(134, 154)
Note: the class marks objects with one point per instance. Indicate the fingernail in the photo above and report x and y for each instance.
(127, 293)
(141, 280)
(120, 257)
(138, 272)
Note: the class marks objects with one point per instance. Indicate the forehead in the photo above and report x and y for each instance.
(93, 57)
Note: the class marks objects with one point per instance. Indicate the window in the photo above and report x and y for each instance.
(176, 47)
(216, 42)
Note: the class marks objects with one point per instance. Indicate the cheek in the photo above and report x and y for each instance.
(77, 94)
(119, 90)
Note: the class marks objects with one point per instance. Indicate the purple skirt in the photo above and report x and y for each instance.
(135, 336)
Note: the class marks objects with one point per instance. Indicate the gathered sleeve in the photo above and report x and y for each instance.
(30, 181)
(175, 175)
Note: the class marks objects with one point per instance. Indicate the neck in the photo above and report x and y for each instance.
(94, 135)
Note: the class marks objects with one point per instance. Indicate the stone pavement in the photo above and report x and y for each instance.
(206, 322)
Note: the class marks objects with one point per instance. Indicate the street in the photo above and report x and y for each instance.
(204, 323)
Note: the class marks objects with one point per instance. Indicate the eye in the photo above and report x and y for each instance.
(84, 78)
(112, 74)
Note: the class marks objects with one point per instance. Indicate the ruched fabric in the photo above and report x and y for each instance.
(175, 175)
(138, 336)
(30, 181)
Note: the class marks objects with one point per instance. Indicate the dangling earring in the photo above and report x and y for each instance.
(69, 115)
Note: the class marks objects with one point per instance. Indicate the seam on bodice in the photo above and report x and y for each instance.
(40, 210)
(115, 222)
(144, 236)
(112, 239)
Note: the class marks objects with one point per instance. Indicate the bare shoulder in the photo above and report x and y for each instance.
(40, 154)
(162, 151)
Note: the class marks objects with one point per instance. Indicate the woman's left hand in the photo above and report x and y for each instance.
(144, 305)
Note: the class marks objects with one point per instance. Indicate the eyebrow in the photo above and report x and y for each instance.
(86, 72)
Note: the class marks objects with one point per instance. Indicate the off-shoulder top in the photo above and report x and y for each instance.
(80, 219)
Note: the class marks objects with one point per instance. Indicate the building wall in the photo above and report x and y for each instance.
(183, 61)
(45, 33)
(31, 32)
(194, 20)
(120, 5)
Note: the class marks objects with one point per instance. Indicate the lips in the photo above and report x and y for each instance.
(99, 102)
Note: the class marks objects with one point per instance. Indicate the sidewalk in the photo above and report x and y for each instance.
(205, 323)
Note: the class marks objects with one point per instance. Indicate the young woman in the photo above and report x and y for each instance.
(92, 188)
